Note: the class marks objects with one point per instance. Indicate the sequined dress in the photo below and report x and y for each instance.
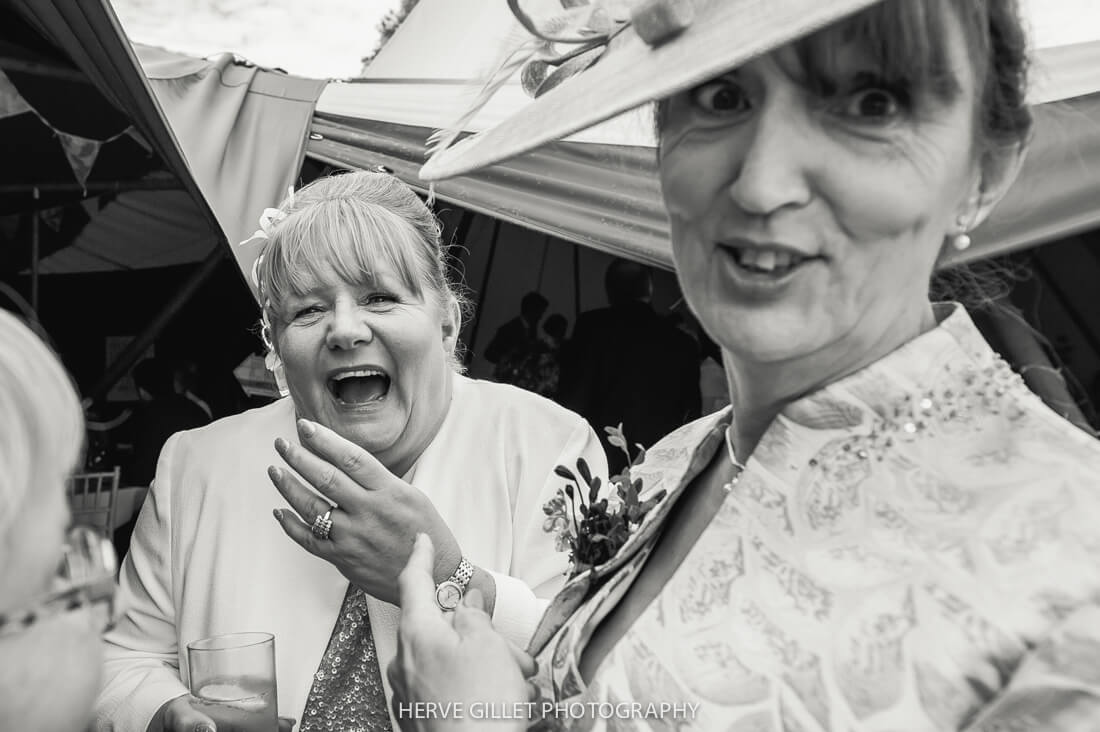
(913, 547)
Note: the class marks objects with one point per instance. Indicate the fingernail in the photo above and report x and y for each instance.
(306, 427)
(204, 727)
(277, 514)
(281, 445)
(275, 472)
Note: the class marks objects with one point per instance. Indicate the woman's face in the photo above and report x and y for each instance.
(808, 224)
(369, 361)
(49, 672)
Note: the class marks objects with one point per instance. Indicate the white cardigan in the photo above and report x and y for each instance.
(207, 557)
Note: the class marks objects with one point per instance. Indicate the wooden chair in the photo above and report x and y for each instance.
(92, 498)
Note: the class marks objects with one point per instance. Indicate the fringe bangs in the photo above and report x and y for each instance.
(906, 40)
(351, 239)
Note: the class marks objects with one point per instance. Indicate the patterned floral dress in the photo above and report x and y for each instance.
(914, 547)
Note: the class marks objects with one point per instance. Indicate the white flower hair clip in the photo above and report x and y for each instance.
(268, 219)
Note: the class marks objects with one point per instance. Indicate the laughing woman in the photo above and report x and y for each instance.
(363, 325)
(887, 531)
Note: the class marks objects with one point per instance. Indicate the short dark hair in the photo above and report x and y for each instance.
(154, 376)
(627, 281)
(533, 304)
(555, 325)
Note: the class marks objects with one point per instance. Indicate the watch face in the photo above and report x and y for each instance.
(448, 595)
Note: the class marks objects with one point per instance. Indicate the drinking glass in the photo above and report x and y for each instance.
(233, 681)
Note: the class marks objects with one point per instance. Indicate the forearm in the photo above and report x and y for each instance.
(156, 724)
(136, 692)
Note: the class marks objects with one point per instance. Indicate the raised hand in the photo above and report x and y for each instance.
(375, 517)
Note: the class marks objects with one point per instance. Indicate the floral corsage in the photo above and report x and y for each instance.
(591, 528)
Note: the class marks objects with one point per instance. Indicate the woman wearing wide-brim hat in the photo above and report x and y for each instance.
(887, 530)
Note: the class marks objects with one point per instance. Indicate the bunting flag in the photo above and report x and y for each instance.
(81, 153)
(140, 140)
(11, 101)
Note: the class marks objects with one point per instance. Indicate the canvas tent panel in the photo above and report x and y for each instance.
(136, 230)
(90, 35)
(561, 190)
(599, 187)
(242, 129)
(607, 197)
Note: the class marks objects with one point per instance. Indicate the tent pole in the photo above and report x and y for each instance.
(118, 186)
(542, 262)
(484, 286)
(576, 283)
(143, 340)
(34, 253)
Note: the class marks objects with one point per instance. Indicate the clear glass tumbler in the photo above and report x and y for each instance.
(233, 681)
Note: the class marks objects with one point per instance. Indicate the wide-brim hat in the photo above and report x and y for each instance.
(659, 48)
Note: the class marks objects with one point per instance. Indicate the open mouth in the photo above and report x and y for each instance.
(766, 260)
(359, 386)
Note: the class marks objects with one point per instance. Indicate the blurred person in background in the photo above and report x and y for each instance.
(626, 364)
(162, 412)
(56, 583)
(516, 339)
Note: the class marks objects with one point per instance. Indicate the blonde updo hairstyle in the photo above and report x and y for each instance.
(41, 423)
(353, 224)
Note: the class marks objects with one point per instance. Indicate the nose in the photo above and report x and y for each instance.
(348, 327)
(775, 161)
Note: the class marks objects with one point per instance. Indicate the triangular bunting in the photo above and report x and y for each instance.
(11, 101)
(81, 153)
(139, 138)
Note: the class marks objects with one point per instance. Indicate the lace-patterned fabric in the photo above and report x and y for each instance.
(914, 547)
(347, 693)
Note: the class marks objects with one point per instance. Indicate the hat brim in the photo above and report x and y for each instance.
(723, 35)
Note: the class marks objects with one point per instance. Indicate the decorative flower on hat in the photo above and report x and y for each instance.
(585, 28)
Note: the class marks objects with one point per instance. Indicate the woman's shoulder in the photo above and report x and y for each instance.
(494, 402)
(260, 424)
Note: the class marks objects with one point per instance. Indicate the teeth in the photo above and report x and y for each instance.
(358, 374)
(767, 260)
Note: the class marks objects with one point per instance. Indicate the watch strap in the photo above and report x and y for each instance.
(462, 574)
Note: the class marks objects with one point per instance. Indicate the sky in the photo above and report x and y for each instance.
(318, 38)
(328, 38)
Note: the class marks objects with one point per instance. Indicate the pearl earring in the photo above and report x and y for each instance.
(961, 241)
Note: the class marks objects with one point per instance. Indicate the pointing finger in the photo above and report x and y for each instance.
(417, 588)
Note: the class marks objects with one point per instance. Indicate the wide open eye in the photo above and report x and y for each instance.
(722, 96)
(871, 105)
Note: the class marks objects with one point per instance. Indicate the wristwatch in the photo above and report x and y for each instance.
(449, 592)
